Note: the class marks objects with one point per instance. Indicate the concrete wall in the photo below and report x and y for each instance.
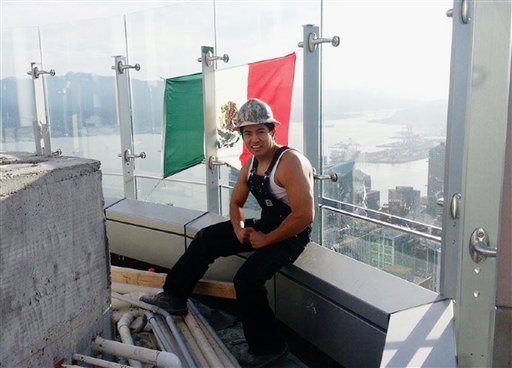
(54, 274)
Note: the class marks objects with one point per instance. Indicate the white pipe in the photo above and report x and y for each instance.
(123, 326)
(118, 304)
(97, 362)
(159, 332)
(228, 360)
(162, 359)
(194, 348)
(168, 319)
(202, 341)
(117, 314)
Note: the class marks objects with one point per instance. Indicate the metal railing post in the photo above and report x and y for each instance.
(312, 125)
(210, 130)
(125, 122)
(40, 123)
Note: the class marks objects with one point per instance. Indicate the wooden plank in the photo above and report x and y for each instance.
(132, 276)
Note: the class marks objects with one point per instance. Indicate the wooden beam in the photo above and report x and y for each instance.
(132, 276)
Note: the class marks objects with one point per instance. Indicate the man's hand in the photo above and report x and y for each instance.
(258, 239)
(244, 234)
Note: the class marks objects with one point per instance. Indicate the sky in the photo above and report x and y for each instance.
(401, 47)
(21, 13)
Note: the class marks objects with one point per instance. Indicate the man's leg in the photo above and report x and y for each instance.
(209, 243)
(258, 319)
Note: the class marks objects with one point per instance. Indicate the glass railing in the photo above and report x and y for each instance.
(81, 96)
(383, 106)
(385, 92)
(20, 47)
(409, 255)
(185, 194)
(165, 42)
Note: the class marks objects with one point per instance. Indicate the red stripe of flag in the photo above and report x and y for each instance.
(272, 81)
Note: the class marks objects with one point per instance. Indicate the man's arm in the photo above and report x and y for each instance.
(236, 206)
(295, 174)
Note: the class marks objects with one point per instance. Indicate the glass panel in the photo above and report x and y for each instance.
(81, 96)
(20, 47)
(251, 208)
(270, 30)
(112, 186)
(385, 105)
(407, 256)
(166, 42)
(179, 194)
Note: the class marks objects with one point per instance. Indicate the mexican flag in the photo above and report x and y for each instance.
(183, 132)
(269, 80)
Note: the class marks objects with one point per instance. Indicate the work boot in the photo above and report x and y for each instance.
(173, 305)
(249, 360)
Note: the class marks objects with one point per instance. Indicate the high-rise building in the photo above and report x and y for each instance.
(403, 200)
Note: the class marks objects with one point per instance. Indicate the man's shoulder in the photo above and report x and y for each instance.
(292, 157)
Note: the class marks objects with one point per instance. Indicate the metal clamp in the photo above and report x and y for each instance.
(313, 41)
(464, 12)
(121, 67)
(210, 58)
(212, 161)
(127, 155)
(455, 206)
(332, 177)
(35, 72)
(479, 246)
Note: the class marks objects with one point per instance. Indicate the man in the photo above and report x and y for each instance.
(280, 179)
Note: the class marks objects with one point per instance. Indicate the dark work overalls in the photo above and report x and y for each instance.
(218, 240)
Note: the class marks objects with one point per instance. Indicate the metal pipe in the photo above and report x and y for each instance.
(162, 359)
(168, 319)
(209, 332)
(97, 362)
(123, 326)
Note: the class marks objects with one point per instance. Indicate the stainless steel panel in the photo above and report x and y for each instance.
(152, 215)
(373, 293)
(197, 224)
(348, 339)
(152, 246)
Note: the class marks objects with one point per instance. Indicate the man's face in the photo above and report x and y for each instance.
(258, 138)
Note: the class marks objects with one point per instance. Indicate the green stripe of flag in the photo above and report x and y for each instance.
(184, 128)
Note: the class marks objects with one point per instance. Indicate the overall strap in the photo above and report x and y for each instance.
(278, 154)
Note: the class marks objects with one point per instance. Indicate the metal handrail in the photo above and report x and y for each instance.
(323, 206)
(156, 177)
(384, 224)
